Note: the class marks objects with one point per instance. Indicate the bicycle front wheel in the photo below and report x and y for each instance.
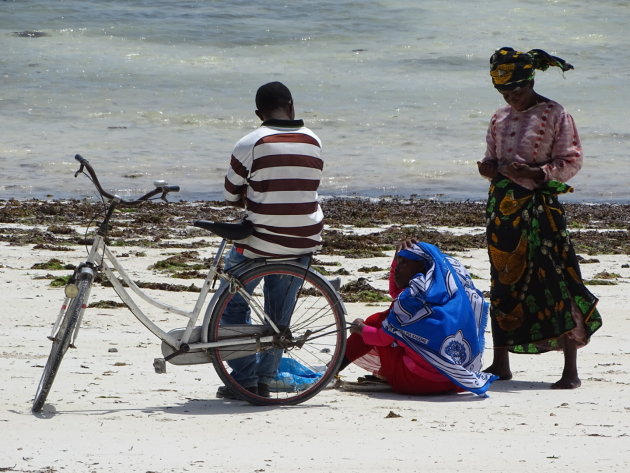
(61, 342)
(307, 350)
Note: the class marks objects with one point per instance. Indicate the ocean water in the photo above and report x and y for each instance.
(398, 90)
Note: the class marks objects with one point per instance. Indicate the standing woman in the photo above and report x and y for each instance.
(538, 301)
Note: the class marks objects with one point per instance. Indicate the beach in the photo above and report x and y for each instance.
(108, 411)
(162, 90)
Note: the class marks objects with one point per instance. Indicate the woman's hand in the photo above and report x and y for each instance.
(526, 171)
(357, 326)
(405, 244)
(488, 169)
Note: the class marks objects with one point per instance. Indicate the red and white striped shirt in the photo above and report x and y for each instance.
(280, 166)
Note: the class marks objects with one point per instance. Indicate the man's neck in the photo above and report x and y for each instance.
(278, 115)
(285, 123)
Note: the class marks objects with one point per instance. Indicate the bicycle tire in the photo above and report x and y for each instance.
(61, 343)
(318, 308)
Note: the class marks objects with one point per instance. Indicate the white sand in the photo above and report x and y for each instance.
(109, 411)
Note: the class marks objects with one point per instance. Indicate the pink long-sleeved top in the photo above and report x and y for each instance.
(415, 363)
(543, 135)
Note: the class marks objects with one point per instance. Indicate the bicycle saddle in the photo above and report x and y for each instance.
(229, 231)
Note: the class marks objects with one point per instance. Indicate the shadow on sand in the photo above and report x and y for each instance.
(511, 385)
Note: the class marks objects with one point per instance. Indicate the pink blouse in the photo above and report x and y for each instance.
(543, 135)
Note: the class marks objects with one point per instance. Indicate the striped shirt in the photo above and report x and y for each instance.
(279, 166)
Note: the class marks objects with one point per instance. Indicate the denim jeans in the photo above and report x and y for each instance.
(280, 293)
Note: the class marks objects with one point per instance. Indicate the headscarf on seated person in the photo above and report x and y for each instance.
(442, 317)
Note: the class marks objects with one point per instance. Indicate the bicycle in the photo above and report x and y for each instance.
(314, 340)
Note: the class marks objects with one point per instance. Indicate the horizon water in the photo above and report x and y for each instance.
(398, 91)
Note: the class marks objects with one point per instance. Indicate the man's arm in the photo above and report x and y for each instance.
(235, 186)
(242, 203)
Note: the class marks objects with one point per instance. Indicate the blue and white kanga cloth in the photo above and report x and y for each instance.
(442, 317)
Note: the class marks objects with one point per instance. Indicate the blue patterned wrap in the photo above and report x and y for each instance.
(442, 317)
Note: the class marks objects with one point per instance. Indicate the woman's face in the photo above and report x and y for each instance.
(520, 98)
(405, 270)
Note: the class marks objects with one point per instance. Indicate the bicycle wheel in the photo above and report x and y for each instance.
(311, 345)
(61, 342)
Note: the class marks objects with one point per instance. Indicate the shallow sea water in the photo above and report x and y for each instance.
(398, 91)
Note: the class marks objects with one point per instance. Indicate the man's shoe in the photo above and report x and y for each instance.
(226, 393)
(263, 390)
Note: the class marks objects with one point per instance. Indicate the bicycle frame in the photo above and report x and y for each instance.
(310, 320)
(101, 259)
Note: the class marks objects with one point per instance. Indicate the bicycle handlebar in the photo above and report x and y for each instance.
(160, 186)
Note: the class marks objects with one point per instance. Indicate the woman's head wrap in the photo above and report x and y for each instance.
(510, 69)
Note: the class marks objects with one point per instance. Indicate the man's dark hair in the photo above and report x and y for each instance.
(272, 96)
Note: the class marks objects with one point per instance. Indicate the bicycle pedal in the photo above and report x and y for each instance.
(159, 365)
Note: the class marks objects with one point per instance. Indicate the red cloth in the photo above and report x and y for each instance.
(403, 369)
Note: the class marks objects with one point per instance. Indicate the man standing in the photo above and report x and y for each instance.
(274, 175)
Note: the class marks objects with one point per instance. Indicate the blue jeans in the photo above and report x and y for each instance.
(280, 293)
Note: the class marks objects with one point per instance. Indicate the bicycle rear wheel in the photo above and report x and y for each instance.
(61, 341)
(312, 344)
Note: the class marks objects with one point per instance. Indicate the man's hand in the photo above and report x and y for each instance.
(237, 203)
(487, 169)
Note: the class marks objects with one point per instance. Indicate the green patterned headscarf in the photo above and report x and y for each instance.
(510, 69)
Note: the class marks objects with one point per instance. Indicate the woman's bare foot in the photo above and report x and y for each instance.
(567, 382)
(500, 364)
(502, 372)
(570, 378)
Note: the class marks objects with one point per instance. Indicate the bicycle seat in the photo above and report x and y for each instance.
(229, 231)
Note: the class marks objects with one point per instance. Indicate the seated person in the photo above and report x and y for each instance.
(431, 339)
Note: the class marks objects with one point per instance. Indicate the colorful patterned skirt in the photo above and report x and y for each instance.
(537, 293)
